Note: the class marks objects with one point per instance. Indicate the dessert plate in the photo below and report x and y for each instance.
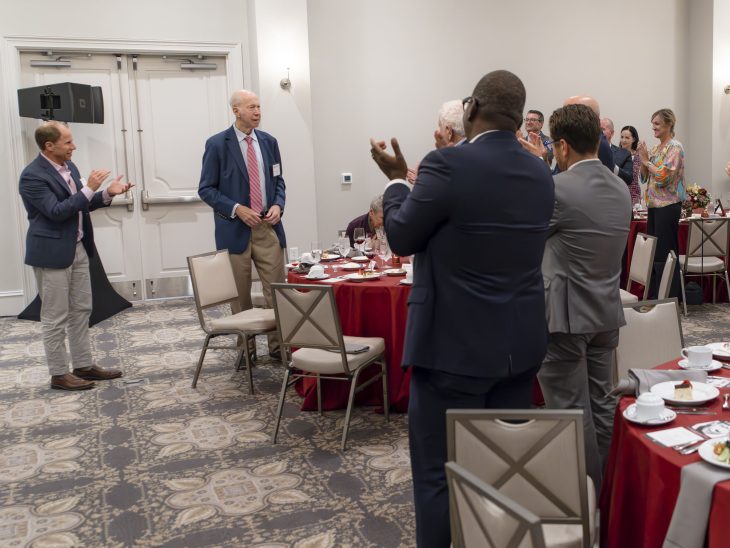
(394, 272)
(326, 257)
(714, 366)
(358, 277)
(667, 416)
(707, 453)
(720, 350)
(406, 282)
(701, 391)
(351, 266)
(360, 259)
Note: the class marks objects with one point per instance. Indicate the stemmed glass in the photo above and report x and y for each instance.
(359, 237)
(317, 251)
(343, 246)
(383, 250)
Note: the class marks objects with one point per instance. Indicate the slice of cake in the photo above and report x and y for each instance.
(683, 391)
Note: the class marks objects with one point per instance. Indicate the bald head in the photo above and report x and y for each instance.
(247, 110)
(586, 100)
(497, 103)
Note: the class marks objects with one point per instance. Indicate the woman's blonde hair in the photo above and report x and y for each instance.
(668, 117)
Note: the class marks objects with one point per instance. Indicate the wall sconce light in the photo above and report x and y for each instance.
(285, 83)
(727, 90)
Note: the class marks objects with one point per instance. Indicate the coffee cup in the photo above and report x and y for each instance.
(649, 406)
(317, 271)
(306, 258)
(697, 356)
(408, 267)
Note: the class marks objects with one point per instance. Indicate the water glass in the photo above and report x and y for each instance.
(293, 254)
(317, 251)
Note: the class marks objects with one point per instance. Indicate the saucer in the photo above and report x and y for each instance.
(667, 416)
(406, 282)
(323, 277)
(714, 366)
(720, 350)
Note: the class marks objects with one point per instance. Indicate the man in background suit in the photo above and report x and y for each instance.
(477, 220)
(241, 180)
(59, 242)
(582, 267)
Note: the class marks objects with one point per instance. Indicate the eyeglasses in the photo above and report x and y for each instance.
(532, 119)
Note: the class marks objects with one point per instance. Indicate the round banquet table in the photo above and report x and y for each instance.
(374, 308)
(642, 479)
(639, 225)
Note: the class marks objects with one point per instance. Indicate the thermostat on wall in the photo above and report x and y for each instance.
(346, 178)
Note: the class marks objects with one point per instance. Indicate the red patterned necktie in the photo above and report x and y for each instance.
(254, 182)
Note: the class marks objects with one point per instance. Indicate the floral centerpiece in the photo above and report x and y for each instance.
(697, 198)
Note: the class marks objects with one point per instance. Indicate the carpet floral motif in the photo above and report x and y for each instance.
(42, 526)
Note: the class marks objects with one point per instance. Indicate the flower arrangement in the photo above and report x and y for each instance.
(697, 198)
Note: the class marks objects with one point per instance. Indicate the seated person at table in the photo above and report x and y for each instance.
(371, 221)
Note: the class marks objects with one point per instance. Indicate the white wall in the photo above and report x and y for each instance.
(273, 27)
(720, 118)
(382, 69)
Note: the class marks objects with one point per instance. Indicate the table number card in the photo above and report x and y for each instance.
(713, 429)
(674, 436)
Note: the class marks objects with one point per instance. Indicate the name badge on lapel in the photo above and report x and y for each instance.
(276, 170)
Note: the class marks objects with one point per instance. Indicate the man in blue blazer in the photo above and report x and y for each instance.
(477, 220)
(241, 180)
(59, 242)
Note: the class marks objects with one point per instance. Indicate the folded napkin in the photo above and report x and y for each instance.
(692, 510)
(641, 380)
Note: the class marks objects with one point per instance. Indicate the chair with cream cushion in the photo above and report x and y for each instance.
(652, 336)
(487, 518)
(534, 457)
(667, 274)
(307, 319)
(214, 285)
(707, 253)
(642, 263)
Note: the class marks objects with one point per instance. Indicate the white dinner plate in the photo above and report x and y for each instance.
(701, 391)
(351, 266)
(394, 272)
(714, 366)
(720, 350)
(326, 257)
(406, 282)
(667, 416)
(357, 277)
(707, 453)
(360, 259)
(324, 277)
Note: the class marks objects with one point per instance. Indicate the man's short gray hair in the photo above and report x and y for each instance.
(377, 204)
(452, 114)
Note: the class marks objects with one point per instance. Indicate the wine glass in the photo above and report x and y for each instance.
(343, 245)
(317, 251)
(383, 250)
(359, 237)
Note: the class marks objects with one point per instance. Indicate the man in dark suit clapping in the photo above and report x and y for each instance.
(477, 220)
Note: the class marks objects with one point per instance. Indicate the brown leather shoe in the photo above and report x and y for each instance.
(95, 373)
(70, 382)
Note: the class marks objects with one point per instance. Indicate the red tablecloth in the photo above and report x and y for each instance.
(706, 281)
(642, 481)
(375, 308)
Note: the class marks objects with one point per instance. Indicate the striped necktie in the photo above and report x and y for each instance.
(254, 182)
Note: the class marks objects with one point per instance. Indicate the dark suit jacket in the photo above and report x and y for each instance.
(625, 164)
(53, 215)
(605, 153)
(224, 183)
(477, 220)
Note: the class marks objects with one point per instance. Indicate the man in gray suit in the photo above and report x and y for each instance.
(581, 269)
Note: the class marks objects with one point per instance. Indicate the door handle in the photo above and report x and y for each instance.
(148, 200)
(127, 200)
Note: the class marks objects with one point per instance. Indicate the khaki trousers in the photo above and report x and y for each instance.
(268, 256)
(65, 309)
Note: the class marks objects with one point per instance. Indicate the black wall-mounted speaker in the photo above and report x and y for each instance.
(65, 102)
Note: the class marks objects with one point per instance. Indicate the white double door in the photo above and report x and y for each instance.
(156, 120)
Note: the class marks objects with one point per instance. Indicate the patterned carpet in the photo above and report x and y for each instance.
(148, 461)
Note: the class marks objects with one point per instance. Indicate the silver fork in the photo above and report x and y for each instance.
(692, 448)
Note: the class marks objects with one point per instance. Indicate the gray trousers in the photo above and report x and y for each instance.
(577, 373)
(65, 308)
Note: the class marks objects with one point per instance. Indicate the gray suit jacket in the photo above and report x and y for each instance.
(582, 262)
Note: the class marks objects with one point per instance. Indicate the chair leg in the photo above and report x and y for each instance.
(319, 395)
(348, 413)
(200, 361)
(684, 297)
(249, 363)
(727, 285)
(280, 406)
(714, 289)
(386, 401)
